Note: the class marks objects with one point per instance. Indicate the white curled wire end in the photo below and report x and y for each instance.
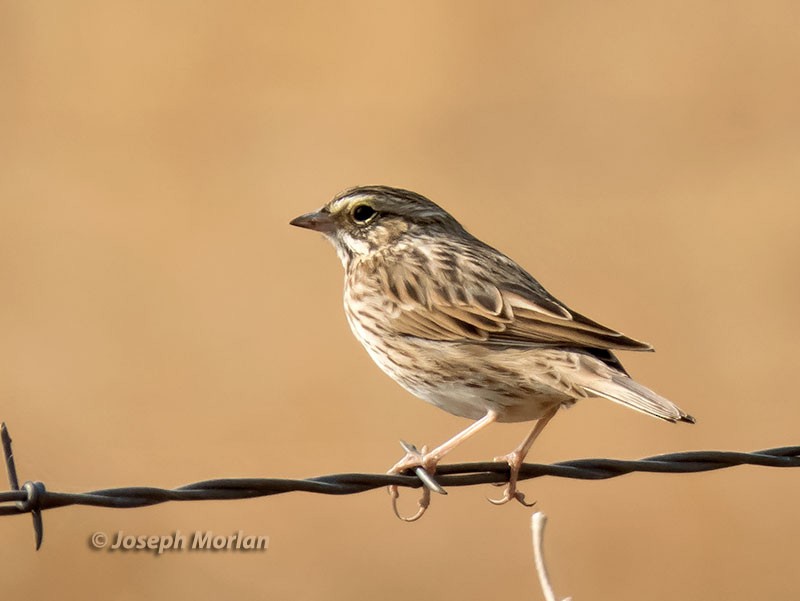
(538, 522)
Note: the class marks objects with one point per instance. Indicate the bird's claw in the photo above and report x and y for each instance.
(514, 460)
(511, 494)
(423, 467)
(424, 502)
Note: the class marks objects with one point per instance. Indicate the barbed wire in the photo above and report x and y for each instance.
(33, 497)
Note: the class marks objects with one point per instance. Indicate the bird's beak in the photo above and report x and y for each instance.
(319, 221)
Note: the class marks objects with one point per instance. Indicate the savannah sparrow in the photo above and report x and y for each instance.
(460, 325)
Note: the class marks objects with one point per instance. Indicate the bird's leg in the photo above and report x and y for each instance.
(515, 459)
(429, 460)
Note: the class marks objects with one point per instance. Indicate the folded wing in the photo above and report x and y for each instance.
(470, 300)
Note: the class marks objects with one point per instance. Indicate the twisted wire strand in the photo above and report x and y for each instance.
(456, 474)
(33, 497)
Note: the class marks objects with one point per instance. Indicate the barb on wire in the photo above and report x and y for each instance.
(34, 498)
(31, 490)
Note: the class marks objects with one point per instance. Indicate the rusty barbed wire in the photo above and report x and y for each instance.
(34, 498)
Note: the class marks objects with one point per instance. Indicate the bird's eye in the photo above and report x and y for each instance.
(363, 213)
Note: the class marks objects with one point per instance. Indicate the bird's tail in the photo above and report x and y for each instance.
(625, 391)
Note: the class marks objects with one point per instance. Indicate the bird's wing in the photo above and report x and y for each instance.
(470, 299)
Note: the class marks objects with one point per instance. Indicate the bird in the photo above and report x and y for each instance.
(462, 326)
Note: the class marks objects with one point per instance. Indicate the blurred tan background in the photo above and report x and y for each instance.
(161, 323)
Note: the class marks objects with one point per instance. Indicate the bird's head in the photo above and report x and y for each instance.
(367, 219)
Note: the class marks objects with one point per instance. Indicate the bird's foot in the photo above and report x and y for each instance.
(514, 460)
(413, 458)
(424, 465)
